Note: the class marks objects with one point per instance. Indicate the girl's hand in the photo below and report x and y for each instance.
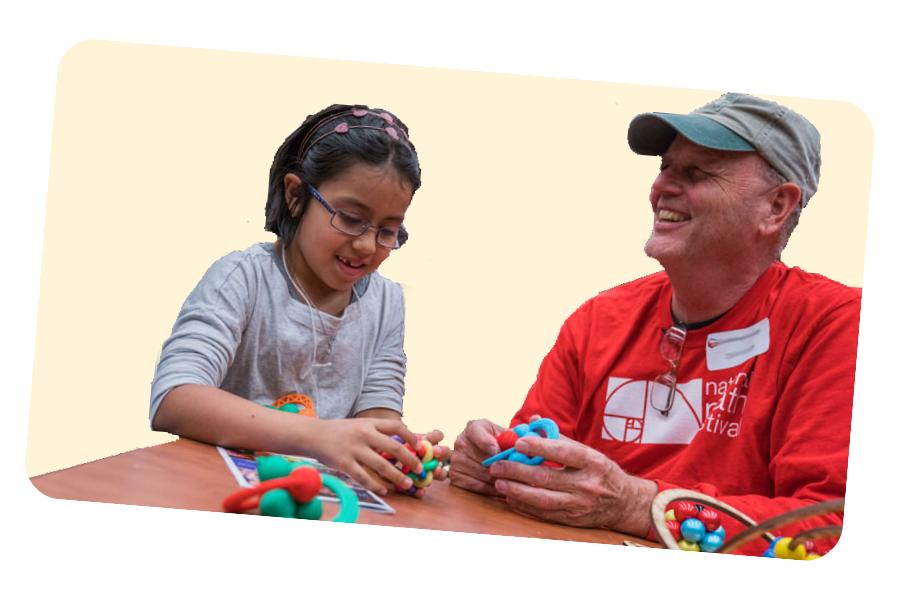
(354, 446)
(441, 453)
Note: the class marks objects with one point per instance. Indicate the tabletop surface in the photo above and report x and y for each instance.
(191, 475)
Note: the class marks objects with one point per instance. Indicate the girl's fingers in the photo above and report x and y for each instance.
(390, 427)
(400, 452)
(388, 472)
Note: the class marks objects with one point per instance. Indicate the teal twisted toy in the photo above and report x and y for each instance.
(550, 430)
(291, 491)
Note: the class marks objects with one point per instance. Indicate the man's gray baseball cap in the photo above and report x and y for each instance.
(740, 123)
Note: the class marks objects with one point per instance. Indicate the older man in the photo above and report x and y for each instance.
(728, 373)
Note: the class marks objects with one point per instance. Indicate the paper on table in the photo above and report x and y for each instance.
(242, 464)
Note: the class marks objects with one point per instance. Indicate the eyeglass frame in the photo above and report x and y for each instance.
(402, 234)
(672, 373)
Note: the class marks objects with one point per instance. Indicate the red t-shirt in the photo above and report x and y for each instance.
(761, 418)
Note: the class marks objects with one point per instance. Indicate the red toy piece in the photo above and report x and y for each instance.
(685, 510)
(304, 486)
(507, 439)
(675, 528)
(429, 464)
(710, 519)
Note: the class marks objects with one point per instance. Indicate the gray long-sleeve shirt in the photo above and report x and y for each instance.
(244, 330)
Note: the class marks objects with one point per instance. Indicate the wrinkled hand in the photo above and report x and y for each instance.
(473, 446)
(590, 491)
(354, 446)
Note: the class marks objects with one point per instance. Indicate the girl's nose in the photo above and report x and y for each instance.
(366, 244)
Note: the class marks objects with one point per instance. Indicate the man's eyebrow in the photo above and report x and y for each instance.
(711, 158)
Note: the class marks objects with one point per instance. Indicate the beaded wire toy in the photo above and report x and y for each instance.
(295, 403)
(429, 464)
(507, 442)
(677, 519)
(291, 491)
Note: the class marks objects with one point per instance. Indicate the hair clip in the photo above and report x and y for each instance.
(345, 127)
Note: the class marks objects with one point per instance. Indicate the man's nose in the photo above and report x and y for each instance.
(666, 184)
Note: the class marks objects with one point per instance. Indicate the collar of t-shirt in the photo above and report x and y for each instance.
(693, 326)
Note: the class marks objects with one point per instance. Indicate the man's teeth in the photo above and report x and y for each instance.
(668, 215)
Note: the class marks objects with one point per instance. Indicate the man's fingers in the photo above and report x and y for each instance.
(539, 502)
(540, 476)
(466, 482)
(480, 435)
(565, 452)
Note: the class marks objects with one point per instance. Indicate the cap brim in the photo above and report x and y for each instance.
(652, 133)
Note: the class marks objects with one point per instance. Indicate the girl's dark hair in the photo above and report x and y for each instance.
(323, 158)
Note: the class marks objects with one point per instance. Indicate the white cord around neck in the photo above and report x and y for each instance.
(312, 308)
(312, 325)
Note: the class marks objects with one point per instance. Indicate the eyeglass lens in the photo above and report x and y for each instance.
(352, 225)
(663, 388)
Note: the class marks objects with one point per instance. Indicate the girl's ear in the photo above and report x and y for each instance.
(292, 185)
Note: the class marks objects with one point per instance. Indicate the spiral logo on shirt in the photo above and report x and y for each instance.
(630, 417)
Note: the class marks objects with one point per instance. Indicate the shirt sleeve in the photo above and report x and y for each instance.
(207, 331)
(555, 393)
(385, 375)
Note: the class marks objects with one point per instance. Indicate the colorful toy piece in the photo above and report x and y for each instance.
(291, 491)
(507, 450)
(295, 403)
(429, 464)
(781, 548)
(678, 517)
(694, 527)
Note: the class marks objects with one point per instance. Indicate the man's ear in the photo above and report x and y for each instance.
(292, 185)
(781, 204)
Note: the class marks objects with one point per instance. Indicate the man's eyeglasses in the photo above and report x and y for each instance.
(663, 388)
(355, 225)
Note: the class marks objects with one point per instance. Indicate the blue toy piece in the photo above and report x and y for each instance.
(693, 530)
(711, 542)
(547, 426)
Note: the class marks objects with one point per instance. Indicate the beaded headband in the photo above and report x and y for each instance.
(391, 129)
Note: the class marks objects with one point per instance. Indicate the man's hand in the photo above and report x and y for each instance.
(590, 491)
(473, 446)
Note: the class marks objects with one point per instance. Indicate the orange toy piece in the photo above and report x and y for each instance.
(300, 399)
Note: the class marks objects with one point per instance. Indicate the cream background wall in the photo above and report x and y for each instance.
(531, 203)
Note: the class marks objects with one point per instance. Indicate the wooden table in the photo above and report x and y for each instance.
(192, 475)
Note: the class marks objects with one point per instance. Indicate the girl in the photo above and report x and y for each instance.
(308, 314)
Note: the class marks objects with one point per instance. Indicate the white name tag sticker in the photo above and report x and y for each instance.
(728, 349)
